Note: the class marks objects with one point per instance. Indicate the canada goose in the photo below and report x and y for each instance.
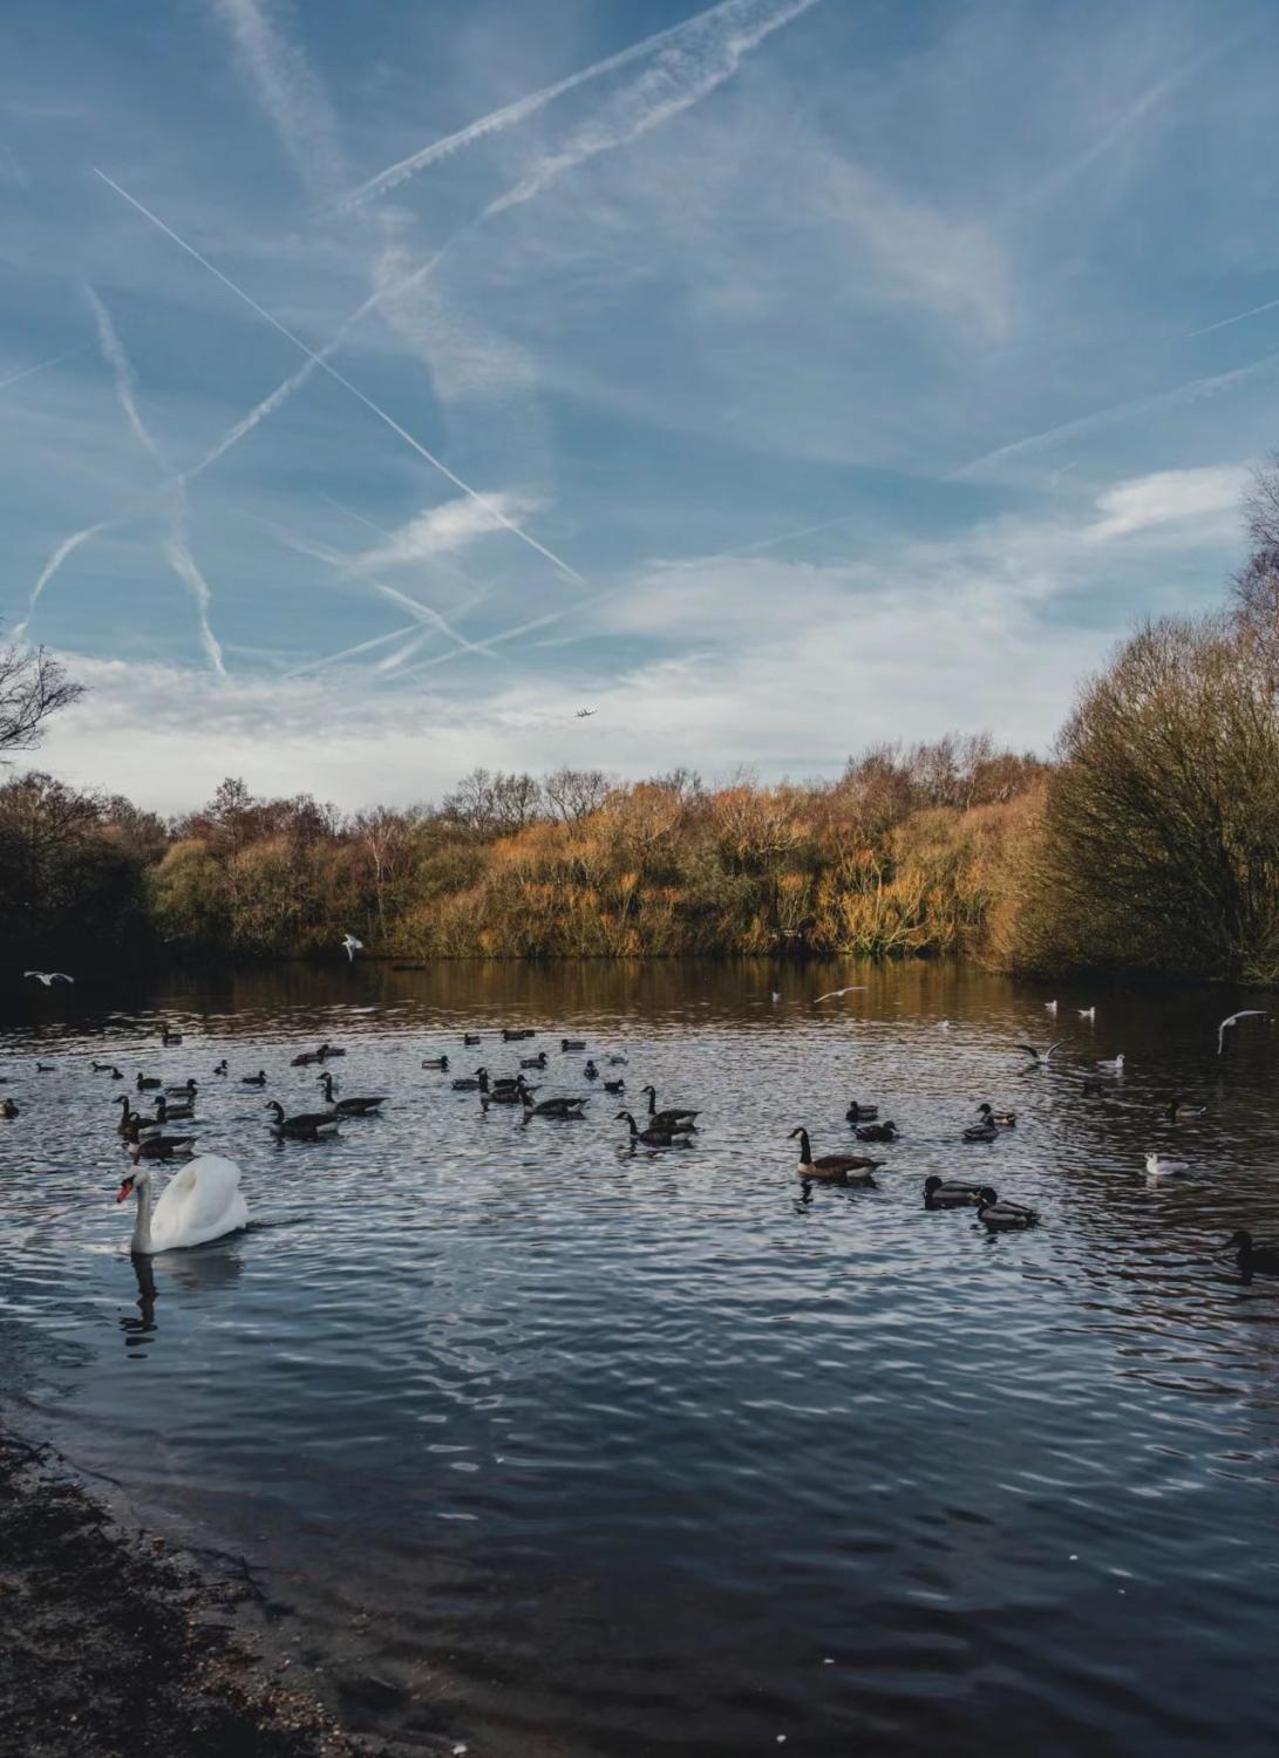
(982, 1132)
(1233, 1020)
(1039, 1056)
(44, 1068)
(565, 1108)
(327, 1051)
(168, 1037)
(653, 1137)
(876, 1131)
(1178, 1112)
(513, 1034)
(148, 1083)
(860, 1113)
(305, 1060)
(162, 1147)
(254, 1080)
(1003, 1217)
(591, 1072)
(222, 1067)
(470, 1037)
(538, 1061)
(833, 1168)
(940, 1193)
(1004, 1119)
(472, 1083)
(166, 1113)
(187, 1090)
(1253, 1258)
(1113, 1064)
(1160, 1166)
(306, 1126)
(122, 1127)
(674, 1117)
(8, 1108)
(614, 1086)
(349, 1107)
(510, 1093)
(572, 1044)
(440, 1062)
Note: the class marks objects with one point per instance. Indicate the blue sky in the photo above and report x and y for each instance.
(379, 383)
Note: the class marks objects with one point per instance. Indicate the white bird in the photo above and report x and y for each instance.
(834, 994)
(351, 946)
(777, 995)
(49, 978)
(943, 1025)
(1038, 1056)
(1159, 1167)
(1086, 1012)
(1245, 1013)
(1113, 1064)
(1050, 1007)
(201, 1203)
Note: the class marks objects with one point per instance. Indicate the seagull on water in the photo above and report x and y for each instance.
(1113, 1064)
(1050, 1007)
(834, 994)
(1038, 1056)
(1086, 1012)
(1158, 1166)
(49, 978)
(1224, 1027)
(351, 946)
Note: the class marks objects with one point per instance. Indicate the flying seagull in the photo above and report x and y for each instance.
(1038, 1056)
(351, 946)
(1224, 1027)
(834, 994)
(49, 978)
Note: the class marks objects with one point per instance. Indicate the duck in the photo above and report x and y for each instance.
(200, 1203)
(440, 1062)
(833, 1168)
(472, 1083)
(306, 1126)
(44, 1068)
(1177, 1112)
(1002, 1119)
(8, 1108)
(982, 1132)
(591, 1072)
(567, 1044)
(222, 1067)
(254, 1080)
(148, 1083)
(1253, 1259)
(1003, 1217)
(615, 1086)
(538, 1061)
(349, 1107)
(327, 1052)
(169, 1037)
(470, 1037)
(941, 1193)
(162, 1147)
(166, 1113)
(187, 1090)
(512, 1034)
(876, 1131)
(653, 1137)
(1160, 1166)
(565, 1108)
(305, 1059)
(857, 1113)
(674, 1117)
(101, 1067)
(617, 1061)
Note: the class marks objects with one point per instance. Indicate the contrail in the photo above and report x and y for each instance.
(522, 108)
(433, 616)
(40, 365)
(67, 547)
(291, 95)
(184, 566)
(394, 661)
(1207, 330)
(125, 379)
(339, 378)
(352, 652)
(555, 616)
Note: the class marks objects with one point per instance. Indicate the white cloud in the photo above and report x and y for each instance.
(1168, 496)
(444, 530)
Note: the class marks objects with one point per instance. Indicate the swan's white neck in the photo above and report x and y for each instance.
(141, 1242)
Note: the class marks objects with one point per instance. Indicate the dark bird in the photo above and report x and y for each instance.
(940, 1193)
(306, 1126)
(222, 1068)
(876, 1131)
(1002, 1119)
(168, 1037)
(591, 1072)
(614, 1086)
(1253, 1259)
(572, 1044)
(472, 1083)
(187, 1090)
(860, 1113)
(440, 1062)
(349, 1107)
(305, 1059)
(1178, 1112)
(327, 1051)
(674, 1117)
(470, 1037)
(565, 1108)
(8, 1108)
(982, 1132)
(162, 1147)
(254, 1080)
(166, 1113)
(538, 1061)
(833, 1168)
(44, 1068)
(653, 1137)
(513, 1034)
(1003, 1217)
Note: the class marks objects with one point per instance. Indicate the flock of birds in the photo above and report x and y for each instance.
(203, 1201)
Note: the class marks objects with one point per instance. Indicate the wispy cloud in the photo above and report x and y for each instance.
(125, 380)
(442, 530)
(1167, 497)
(290, 94)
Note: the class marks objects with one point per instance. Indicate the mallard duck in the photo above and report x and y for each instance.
(327, 1052)
(1253, 1259)
(8, 1108)
(305, 1059)
(162, 1147)
(306, 1126)
(148, 1083)
(566, 1108)
(653, 1137)
(168, 1037)
(101, 1067)
(349, 1107)
(440, 1062)
(940, 1193)
(222, 1068)
(470, 1037)
(472, 1083)
(591, 1072)
(44, 1067)
(614, 1086)
(254, 1080)
(187, 1090)
(1003, 1217)
(1178, 1112)
(513, 1034)
(982, 1132)
(833, 1168)
(876, 1131)
(860, 1113)
(1001, 1119)
(674, 1117)
(572, 1044)
(538, 1061)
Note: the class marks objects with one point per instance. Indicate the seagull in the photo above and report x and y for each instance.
(943, 1025)
(1158, 1167)
(1050, 1007)
(1038, 1056)
(586, 713)
(1086, 1012)
(351, 946)
(1114, 1065)
(49, 978)
(834, 994)
(1222, 1029)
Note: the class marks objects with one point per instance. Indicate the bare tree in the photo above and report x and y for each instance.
(1256, 585)
(33, 685)
(576, 793)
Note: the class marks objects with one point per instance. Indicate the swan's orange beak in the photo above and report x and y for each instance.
(125, 1191)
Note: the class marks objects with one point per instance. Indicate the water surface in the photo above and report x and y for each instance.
(581, 1451)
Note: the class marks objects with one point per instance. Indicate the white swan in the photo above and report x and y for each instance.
(200, 1203)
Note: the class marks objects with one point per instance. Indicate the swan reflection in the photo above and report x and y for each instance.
(202, 1270)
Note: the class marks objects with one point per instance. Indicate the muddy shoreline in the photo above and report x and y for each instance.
(115, 1642)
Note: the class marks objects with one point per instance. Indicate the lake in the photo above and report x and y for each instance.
(558, 1448)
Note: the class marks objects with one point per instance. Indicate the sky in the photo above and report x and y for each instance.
(381, 383)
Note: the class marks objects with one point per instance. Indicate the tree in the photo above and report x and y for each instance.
(575, 793)
(1256, 585)
(33, 685)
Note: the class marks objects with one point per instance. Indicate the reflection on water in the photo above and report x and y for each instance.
(627, 1451)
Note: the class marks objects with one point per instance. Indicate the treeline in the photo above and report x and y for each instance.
(1149, 843)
